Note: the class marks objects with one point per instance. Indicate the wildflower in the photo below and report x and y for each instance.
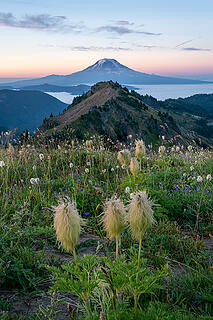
(123, 167)
(112, 169)
(41, 156)
(71, 165)
(124, 157)
(134, 167)
(140, 149)
(163, 137)
(88, 143)
(10, 148)
(189, 148)
(59, 147)
(177, 149)
(67, 224)
(127, 190)
(87, 170)
(86, 214)
(191, 168)
(209, 177)
(2, 163)
(114, 219)
(104, 171)
(140, 214)
(161, 149)
(117, 167)
(172, 149)
(34, 180)
(88, 163)
(199, 179)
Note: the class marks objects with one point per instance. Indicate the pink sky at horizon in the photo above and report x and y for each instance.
(183, 64)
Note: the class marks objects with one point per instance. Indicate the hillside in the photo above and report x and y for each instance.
(203, 100)
(113, 111)
(26, 109)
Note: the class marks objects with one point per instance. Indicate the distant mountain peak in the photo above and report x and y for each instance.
(107, 65)
(104, 70)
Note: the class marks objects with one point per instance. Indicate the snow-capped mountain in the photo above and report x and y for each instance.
(104, 70)
(107, 65)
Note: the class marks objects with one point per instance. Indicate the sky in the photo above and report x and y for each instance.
(42, 37)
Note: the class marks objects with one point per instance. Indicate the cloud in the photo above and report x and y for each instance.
(124, 23)
(97, 48)
(195, 49)
(39, 22)
(121, 30)
(185, 42)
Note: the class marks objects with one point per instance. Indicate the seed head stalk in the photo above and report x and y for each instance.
(198, 209)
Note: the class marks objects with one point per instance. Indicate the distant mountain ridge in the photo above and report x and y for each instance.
(74, 90)
(104, 70)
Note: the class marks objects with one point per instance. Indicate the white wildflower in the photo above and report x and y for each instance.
(199, 179)
(209, 177)
(127, 190)
(34, 180)
(2, 163)
(41, 156)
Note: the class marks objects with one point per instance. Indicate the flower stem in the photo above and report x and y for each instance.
(116, 248)
(139, 251)
(75, 257)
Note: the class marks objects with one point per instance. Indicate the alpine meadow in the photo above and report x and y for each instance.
(106, 191)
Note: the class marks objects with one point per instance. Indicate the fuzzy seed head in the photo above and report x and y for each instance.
(67, 224)
(140, 149)
(134, 166)
(124, 157)
(189, 148)
(10, 148)
(161, 150)
(114, 217)
(140, 214)
(88, 143)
